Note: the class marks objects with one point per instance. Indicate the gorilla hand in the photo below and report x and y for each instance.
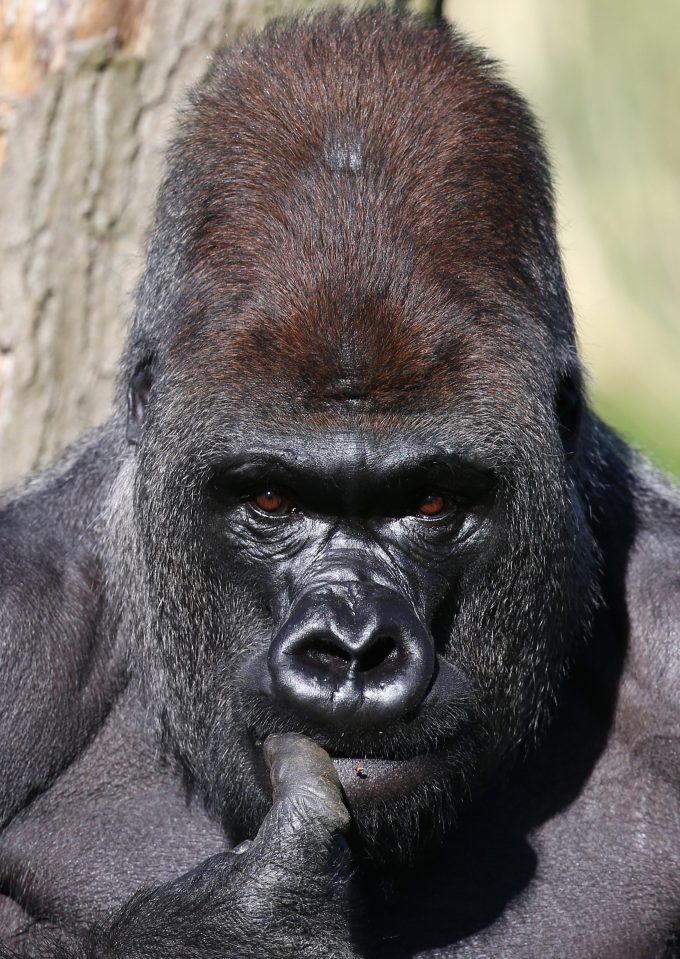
(284, 894)
(299, 859)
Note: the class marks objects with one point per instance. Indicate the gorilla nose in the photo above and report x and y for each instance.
(354, 654)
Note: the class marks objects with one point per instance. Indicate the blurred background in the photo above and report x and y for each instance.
(87, 94)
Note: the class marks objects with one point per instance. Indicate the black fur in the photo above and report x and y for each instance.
(353, 270)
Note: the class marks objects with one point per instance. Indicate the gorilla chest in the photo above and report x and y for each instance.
(114, 821)
(599, 877)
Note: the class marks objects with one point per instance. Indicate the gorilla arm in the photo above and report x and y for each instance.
(285, 895)
(60, 669)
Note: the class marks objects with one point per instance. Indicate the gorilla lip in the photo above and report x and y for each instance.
(367, 771)
(371, 778)
(365, 780)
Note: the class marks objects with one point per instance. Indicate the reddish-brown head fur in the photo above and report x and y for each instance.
(361, 198)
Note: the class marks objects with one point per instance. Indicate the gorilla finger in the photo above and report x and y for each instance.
(242, 847)
(304, 781)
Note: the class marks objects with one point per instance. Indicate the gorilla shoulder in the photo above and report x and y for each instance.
(57, 665)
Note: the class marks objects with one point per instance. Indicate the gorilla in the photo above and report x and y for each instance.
(354, 632)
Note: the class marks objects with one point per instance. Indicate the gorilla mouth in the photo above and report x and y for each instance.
(368, 779)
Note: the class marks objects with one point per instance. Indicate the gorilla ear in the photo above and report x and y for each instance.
(568, 409)
(138, 392)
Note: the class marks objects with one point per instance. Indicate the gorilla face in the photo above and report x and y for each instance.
(353, 545)
(357, 511)
(403, 596)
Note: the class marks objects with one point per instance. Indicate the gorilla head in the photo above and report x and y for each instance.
(355, 504)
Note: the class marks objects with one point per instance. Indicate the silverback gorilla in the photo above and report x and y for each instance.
(353, 632)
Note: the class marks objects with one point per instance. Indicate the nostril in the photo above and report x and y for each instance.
(323, 652)
(329, 653)
(380, 651)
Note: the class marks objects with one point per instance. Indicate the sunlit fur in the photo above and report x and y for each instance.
(357, 211)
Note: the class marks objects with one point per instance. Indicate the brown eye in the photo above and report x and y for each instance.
(431, 505)
(272, 502)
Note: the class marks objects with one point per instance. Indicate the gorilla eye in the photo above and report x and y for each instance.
(272, 502)
(431, 505)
